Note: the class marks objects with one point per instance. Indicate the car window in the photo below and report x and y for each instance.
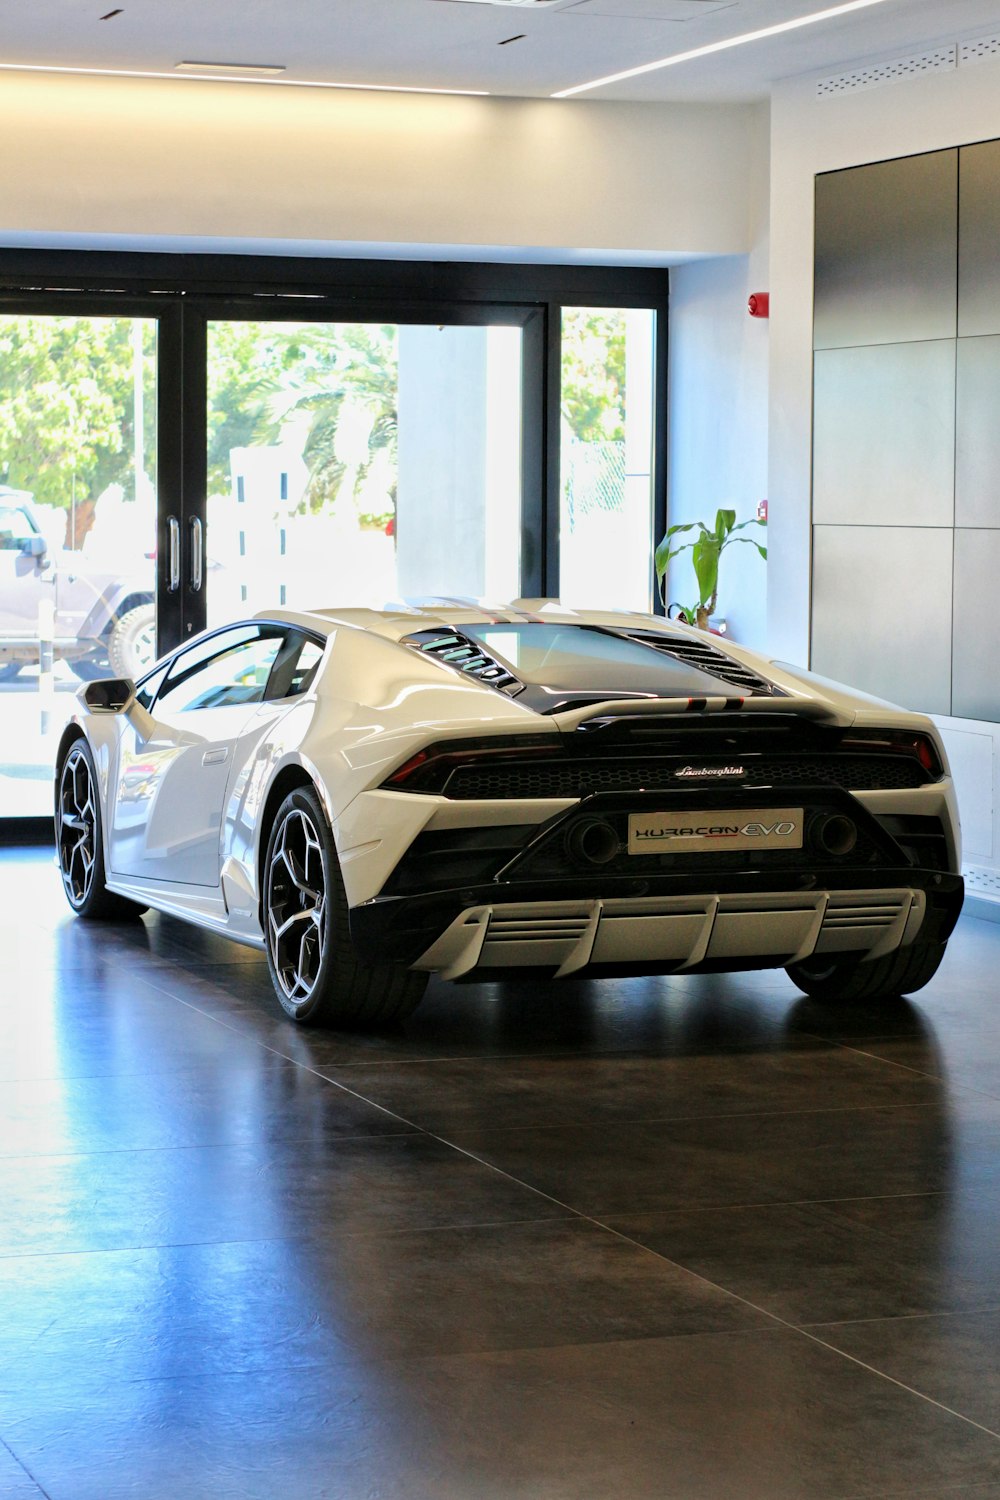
(295, 666)
(224, 671)
(15, 527)
(149, 687)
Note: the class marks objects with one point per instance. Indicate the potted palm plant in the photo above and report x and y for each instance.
(706, 550)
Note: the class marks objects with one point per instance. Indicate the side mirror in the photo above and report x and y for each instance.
(34, 546)
(109, 695)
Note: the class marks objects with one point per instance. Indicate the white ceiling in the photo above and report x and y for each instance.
(456, 44)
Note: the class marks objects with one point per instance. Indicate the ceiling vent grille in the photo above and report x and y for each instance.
(935, 60)
(983, 49)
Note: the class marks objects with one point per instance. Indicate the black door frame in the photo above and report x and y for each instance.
(185, 292)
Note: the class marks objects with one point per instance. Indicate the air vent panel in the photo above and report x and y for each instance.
(457, 650)
(897, 70)
(708, 658)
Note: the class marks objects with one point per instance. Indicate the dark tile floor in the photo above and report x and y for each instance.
(692, 1239)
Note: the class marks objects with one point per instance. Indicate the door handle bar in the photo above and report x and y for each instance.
(197, 554)
(173, 554)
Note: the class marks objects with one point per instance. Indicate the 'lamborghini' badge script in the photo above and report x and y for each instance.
(714, 831)
(698, 772)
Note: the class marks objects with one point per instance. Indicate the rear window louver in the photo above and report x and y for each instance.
(710, 659)
(467, 656)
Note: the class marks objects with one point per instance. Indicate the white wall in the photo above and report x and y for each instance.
(176, 160)
(811, 135)
(717, 452)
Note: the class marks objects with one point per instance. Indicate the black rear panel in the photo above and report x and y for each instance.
(677, 754)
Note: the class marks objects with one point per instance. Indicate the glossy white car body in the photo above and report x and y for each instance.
(187, 800)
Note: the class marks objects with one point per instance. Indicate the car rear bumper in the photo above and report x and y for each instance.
(666, 925)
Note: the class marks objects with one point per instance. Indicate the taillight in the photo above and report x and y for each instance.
(429, 769)
(919, 747)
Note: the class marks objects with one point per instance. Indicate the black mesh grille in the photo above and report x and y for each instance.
(708, 658)
(562, 778)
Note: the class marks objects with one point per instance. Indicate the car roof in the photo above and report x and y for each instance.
(400, 619)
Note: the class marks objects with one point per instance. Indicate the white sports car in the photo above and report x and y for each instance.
(374, 796)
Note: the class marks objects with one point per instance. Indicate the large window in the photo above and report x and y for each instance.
(186, 440)
(77, 527)
(606, 448)
(360, 463)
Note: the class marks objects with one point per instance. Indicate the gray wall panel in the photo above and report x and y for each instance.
(886, 252)
(884, 435)
(976, 667)
(979, 239)
(882, 611)
(977, 448)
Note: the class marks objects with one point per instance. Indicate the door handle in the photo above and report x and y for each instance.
(197, 554)
(173, 554)
(214, 757)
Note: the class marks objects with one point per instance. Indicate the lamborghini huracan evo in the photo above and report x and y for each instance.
(373, 796)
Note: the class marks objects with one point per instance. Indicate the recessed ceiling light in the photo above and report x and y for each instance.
(255, 77)
(733, 41)
(237, 70)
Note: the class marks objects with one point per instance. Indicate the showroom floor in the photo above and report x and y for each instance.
(693, 1239)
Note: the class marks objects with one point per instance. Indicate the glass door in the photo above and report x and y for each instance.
(606, 445)
(78, 482)
(356, 463)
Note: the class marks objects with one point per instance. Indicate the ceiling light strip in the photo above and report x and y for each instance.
(830, 14)
(258, 82)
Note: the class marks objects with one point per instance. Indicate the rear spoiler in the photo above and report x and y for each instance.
(624, 708)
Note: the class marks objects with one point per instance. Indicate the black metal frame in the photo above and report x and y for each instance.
(185, 292)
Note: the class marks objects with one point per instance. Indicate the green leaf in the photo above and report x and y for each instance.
(725, 520)
(705, 556)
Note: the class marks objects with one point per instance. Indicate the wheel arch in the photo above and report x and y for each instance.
(113, 603)
(288, 779)
(72, 732)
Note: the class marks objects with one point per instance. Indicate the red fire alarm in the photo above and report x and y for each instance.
(759, 305)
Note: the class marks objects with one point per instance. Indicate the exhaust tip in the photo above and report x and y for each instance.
(836, 835)
(592, 842)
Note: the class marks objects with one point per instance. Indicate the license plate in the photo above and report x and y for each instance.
(715, 831)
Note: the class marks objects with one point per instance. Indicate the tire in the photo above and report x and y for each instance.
(318, 978)
(79, 840)
(132, 642)
(849, 979)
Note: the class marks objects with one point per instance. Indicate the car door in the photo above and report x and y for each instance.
(170, 789)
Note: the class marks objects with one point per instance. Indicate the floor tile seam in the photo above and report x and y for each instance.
(460, 1225)
(740, 1114)
(610, 1054)
(203, 1070)
(24, 1468)
(305, 1067)
(803, 1332)
(861, 1049)
(942, 1077)
(378, 1135)
(914, 1317)
(417, 1359)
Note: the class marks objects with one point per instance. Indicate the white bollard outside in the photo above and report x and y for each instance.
(46, 679)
